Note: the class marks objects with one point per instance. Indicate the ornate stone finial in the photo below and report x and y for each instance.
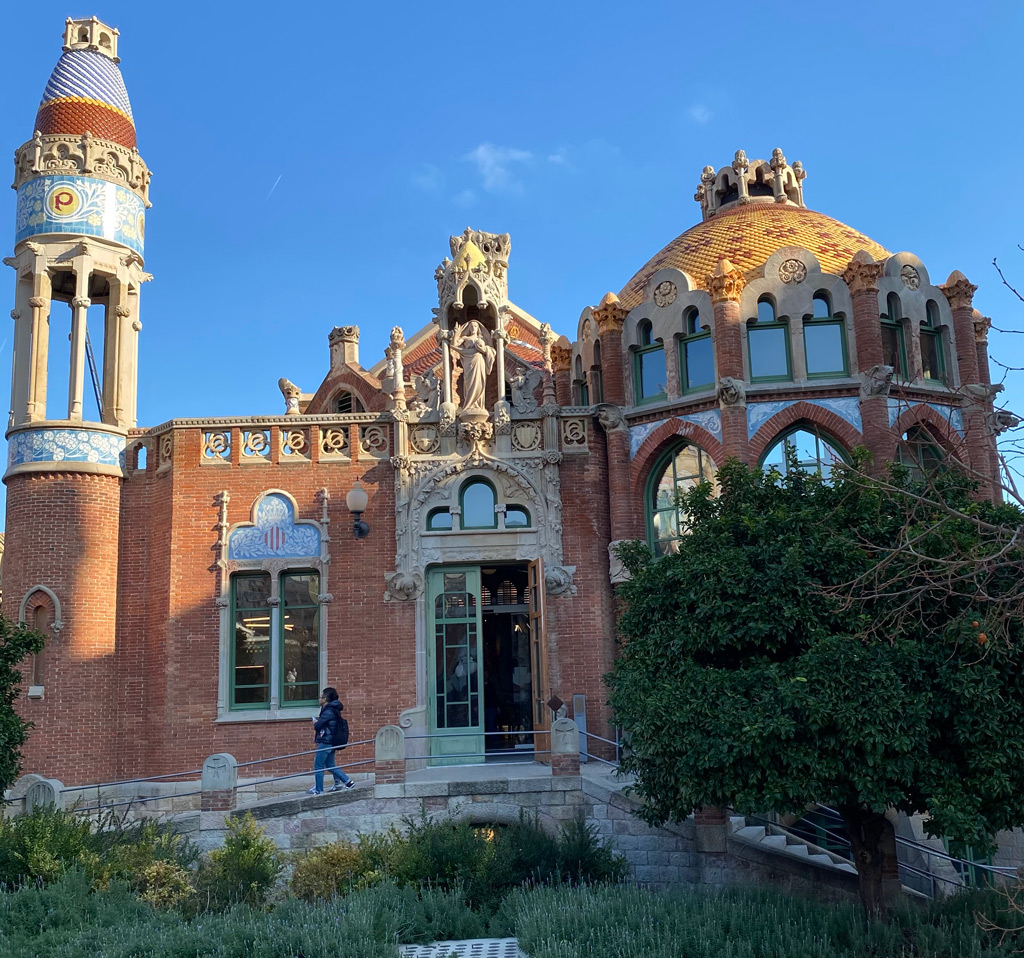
(393, 383)
(546, 338)
(291, 394)
(959, 290)
(982, 324)
(732, 184)
(725, 283)
(739, 162)
(91, 34)
(862, 272)
(344, 345)
(609, 314)
(561, 355)
(479, 260)
(778, 160)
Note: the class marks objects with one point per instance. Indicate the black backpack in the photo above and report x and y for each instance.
(341, 733)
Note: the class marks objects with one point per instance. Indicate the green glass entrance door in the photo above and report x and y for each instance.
(455, 651)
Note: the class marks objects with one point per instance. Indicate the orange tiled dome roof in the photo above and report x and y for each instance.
(747, 235)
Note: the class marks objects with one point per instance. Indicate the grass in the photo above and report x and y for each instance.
(68, 919)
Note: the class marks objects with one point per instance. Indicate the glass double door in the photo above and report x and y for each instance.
(486, 663)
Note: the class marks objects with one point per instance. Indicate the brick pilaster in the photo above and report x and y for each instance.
(561, 366)
(861, 276)
(610, 316)
(726, 287)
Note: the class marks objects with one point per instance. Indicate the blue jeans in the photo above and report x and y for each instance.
(325, 760)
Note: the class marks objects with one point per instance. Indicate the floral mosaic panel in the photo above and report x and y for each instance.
(845, 407)
(275, 534)
(952, 415)
(80, 205)
(65, 445)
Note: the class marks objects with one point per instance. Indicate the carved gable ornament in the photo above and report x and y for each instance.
(274, 532)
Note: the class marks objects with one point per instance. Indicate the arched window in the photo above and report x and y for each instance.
(824, 340)
(581, 394)
(696, 360)
(346, 402)
(814, 453)
(933, 353)
(768, 344)
(596, 378)
(649, 365)
(439, 520)
(920, 452)
(516, 517)
(675, 473)
(894, 347)
(40, 623)
(477, 500)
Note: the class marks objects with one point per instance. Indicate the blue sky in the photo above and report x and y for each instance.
(311, 160)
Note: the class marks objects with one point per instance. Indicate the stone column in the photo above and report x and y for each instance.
(982, 324)
(610, 317)
(389, 755)
(219, 783)
(711, 829)
(21, 375)
(40, 348)
(861, 276)
(76, 380)
(976, 395)
(620, 500)
(726, 287)
(561, 364)
(565, 747)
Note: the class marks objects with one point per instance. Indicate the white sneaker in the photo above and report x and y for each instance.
(313, 791)
(338, 786)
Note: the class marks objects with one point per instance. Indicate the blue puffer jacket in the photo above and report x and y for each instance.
(326, 727)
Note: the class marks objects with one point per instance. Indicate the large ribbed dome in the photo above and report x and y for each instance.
(86, 93)
(747, 235)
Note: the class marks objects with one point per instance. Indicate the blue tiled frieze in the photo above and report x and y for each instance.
(65, 445)
(275, 534)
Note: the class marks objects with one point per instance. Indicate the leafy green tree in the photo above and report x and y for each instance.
(856, 643)
(16, 641)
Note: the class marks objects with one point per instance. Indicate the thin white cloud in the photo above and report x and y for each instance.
(700, 113)
(495, 165)
(559, 157)
(465, 198)
(427, 178)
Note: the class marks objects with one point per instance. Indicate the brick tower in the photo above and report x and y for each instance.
(82, 195)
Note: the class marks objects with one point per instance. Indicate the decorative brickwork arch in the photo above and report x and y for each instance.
(657, 442)
(938, 426)
(40, 595)
(804, 414)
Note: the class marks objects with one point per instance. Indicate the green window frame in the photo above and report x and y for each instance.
(643, 355)
(596, 377)
(933, 345)
(517, 517)
(697, 338)
(823, 319)
(471, 488)
(766, 324)
(920, 452)
(675, 473)
(440, 520)
(824, 451)
(894, 344)
(581, 391)
(277, 645)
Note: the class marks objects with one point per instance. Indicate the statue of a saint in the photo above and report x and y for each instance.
(476, 356)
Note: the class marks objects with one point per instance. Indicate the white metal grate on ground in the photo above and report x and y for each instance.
(468, 948)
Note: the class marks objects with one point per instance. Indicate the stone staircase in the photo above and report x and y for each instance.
(771, 840)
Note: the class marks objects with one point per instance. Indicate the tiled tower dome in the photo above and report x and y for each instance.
(85, 92)
(752, 209)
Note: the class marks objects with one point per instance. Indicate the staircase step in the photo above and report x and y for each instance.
(774, 841)
(801, 851)
(753, 833)
(846, 867)
(823, 860)
(736, 822)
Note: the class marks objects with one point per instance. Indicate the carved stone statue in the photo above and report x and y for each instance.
(472, 343)
(524, 381)
(876, 381)
(291, 394)
(428, 393)
(732, 392)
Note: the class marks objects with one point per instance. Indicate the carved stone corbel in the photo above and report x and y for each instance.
(403, 586)
(876, 381)
(731, 391)
(611, 418)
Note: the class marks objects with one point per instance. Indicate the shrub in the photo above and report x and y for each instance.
(165, 885)
(583, 857)
(243, 871)
(40, 846)
(329, 870)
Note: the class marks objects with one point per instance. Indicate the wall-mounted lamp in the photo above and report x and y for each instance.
(356, 500)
